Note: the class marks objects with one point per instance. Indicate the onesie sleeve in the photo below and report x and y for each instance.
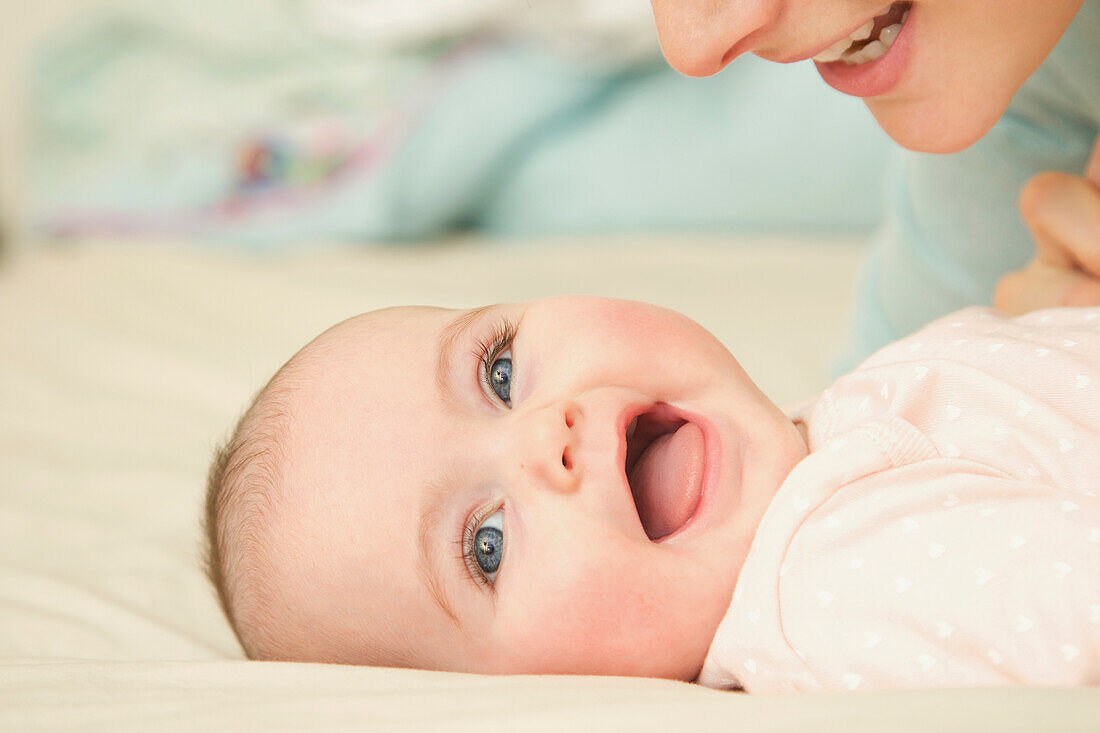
(943, 574)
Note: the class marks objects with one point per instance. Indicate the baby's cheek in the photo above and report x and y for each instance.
(600, 625)
(643, 324)
(668, 337)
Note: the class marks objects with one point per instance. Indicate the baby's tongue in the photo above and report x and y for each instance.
(666, 480)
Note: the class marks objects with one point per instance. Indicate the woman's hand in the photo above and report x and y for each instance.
(1063, 214)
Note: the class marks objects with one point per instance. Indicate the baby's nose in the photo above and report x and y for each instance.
(548, 443)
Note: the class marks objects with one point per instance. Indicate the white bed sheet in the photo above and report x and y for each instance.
(120, 366)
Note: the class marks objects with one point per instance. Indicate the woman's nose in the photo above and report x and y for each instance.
(547, 446)
(698, 36)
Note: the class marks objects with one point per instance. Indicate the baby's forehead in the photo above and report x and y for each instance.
(373, 332)
(402, 316)
(375, 371)
(358, 367)
(373, 338)
(357, 394)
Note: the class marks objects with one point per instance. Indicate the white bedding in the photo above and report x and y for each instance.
(120, 366)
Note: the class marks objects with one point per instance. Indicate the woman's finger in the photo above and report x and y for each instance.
(1092, 170)
(1039, 286)
(1063, 214)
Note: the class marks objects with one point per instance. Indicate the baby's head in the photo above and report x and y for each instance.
(449, 490)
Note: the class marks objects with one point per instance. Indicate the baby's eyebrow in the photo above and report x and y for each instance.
(432, 566)
(449, 336)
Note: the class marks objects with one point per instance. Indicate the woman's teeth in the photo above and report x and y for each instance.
(864, 45)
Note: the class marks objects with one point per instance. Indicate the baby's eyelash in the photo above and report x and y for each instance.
(488, 349)
(469, 533)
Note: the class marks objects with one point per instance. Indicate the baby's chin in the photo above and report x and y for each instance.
(662, 650)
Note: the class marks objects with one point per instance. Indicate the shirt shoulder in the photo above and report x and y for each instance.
(1019, 395)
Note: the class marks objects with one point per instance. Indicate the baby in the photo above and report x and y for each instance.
(593, 486)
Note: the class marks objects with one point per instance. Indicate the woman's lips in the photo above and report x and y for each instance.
(873, 78)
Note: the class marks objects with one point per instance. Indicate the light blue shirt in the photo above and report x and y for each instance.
(953, 226)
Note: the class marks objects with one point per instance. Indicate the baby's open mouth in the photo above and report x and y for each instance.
(664, 467)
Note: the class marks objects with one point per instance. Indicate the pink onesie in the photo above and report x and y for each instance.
(944, 530)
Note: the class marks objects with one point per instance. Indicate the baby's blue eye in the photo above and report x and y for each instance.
(489, 545)
(500, 379)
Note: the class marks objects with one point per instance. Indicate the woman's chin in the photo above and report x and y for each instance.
(936, 126)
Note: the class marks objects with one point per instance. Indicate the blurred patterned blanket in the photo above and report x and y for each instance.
(262, 123)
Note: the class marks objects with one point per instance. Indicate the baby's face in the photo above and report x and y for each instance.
(457, 491)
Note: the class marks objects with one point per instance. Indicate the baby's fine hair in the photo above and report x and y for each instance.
(241, 494)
